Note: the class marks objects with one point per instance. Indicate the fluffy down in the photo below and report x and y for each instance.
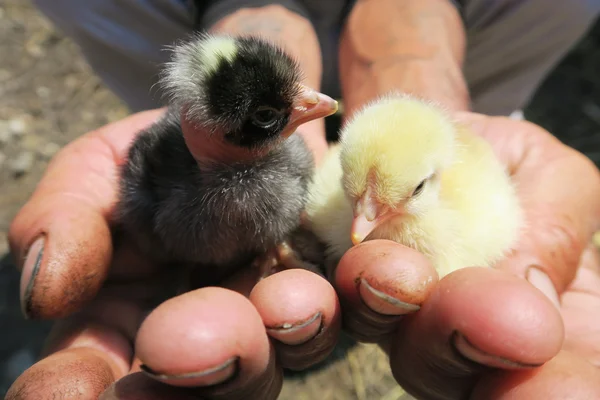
(426, 182)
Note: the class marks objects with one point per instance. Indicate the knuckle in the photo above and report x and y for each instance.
(558, 241)
(562, 238)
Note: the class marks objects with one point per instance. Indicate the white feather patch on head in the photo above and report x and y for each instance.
(216, 49)
(192, 62)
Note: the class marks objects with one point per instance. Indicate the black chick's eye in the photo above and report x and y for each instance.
(419, 188)
(265, 117)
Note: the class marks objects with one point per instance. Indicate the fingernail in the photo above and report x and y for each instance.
(467, 350)
(31, 267)
(207, 377)
(294, 334)
(384, 303)
(543, 283)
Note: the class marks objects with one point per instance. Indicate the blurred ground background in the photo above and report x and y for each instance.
(48, 96)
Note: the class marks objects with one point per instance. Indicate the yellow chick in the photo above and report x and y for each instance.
(404, 171)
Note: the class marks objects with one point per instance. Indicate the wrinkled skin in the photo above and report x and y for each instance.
(91, 351)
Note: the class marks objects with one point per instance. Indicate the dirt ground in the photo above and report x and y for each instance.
(48, 96)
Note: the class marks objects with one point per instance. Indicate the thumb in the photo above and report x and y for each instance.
(60, 238)
(65, 248)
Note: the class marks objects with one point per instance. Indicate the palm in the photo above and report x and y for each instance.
(580, 299)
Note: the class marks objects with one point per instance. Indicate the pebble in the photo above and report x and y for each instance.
(2, 159)
(72, 82)
(5, 135)
(49, 150)
(17, 126)
(32, 142)
(22, 163)
(42, 91)
(12, 127)
(88, 116)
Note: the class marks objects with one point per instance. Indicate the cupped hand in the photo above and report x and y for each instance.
(526, 329)
(214, 342)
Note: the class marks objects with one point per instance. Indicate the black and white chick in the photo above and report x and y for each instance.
(221, 180)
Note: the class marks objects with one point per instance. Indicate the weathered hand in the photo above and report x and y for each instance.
(212, 340)
(488, 333)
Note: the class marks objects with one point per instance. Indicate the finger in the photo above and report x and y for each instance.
(87, 354)
(211, 338)
(564, 377)
(559, 189)
(475, 318)
(302, 314)
(379, 282)
(580, 301)
(60, 238)
(82, 370)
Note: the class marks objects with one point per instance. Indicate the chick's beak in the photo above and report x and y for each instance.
(361, 228)
(309, 105)
(368, 215)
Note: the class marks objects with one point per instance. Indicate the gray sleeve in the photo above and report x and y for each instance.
(209, 12)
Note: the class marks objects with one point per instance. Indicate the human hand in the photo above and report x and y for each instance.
(212, 341)
(485, 333)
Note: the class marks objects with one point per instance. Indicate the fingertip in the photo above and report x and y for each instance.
(301, 312)
(501, 303)
(81, 370)
(223, 328)
(294, 297)
(379, 282)
(474, 319)
(64, 250)
(390, 278)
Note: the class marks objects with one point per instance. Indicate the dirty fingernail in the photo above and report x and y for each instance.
(469, 351)
(543, 283)
(207, 377)
(384, 303)
(31, 267)
(298, 333)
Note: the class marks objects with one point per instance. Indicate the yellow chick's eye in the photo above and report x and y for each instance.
(419, 188)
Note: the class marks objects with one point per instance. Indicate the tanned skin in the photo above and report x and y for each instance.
(412, 46)
(297, 36)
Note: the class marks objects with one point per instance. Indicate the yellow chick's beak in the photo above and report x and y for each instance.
(368, 214)
(361, 228)
(309, 105)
